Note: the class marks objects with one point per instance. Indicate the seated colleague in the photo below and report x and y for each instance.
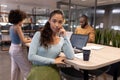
(46, 46)
(85, 28)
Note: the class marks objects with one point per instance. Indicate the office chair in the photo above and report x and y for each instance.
(98, 72)
(69, 73)
(114, 70)
(44, 73)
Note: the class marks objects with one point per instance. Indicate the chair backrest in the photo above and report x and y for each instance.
(78, 40)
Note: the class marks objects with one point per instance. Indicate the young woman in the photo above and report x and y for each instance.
(19, 62)
(46, 46)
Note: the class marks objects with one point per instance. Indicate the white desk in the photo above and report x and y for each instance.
(99, 58)
(27, 44)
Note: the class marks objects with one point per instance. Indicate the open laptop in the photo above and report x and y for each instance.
(78, 41)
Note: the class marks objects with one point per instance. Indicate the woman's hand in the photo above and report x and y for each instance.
(28, 39)
(59, 60)
(62, 32)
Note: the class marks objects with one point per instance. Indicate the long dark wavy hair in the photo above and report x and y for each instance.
(46, 33)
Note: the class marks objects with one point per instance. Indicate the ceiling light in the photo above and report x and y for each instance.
(71, 7)
(100, 11)
(3, 5)
(116, 11)
(83, 0)
(101, 2)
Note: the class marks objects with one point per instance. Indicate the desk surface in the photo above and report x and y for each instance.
(27, 44)
(98, 58)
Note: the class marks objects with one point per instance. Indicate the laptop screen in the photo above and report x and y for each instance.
(78, 41)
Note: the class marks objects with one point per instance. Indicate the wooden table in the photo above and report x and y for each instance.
(98, 58)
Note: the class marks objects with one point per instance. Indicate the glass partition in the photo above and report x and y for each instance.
(73, 9)
(101, 14)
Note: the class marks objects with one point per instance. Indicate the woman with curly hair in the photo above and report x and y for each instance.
(19, 63)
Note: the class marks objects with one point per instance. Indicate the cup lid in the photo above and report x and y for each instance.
(86, 48)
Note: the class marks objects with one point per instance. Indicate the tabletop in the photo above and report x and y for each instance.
(104, 56)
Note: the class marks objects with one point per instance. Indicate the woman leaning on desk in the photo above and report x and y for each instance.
(46, 46)
(19, 63)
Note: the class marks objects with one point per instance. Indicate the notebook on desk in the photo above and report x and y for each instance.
(78, 41)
